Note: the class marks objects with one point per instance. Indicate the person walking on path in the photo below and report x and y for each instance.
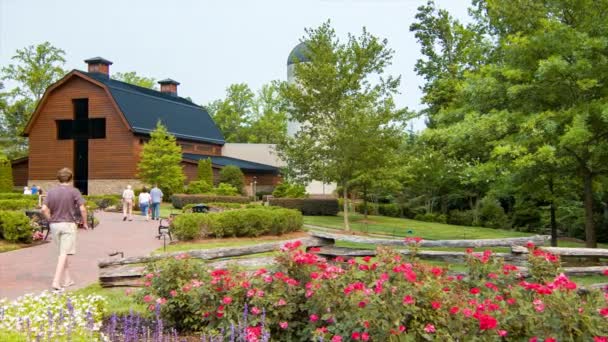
(59, 208)
(144, 202)
(127, 203)
(157, 198)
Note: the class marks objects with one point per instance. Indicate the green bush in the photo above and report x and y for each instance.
(6, 174)
(241, 223)
(287, 190)
(180, 200)
(461, 217)
(14, 195)
(309, 206)
(205, 171)
(15, 226)
(389, 209)
(18, 204)
(104, 201)
(431, 217)
(232, 175)
(372, 208)
(198, 187)
(225, 189)
(491, 214)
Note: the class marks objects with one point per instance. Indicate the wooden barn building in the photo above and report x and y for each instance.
(97, 127)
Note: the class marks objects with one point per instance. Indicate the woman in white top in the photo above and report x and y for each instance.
(127, 203)
(144, 202)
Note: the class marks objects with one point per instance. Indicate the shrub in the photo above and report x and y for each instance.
(431, 217)
(205, 171)
(180, 200)
(18, 204)
(491, 214)
(461, 217)
(287, 190)
(6, 174)
(14, 195)
(104, 201)
(389, 209)
(308, 206)
(372, 208)
(198, 187)
(225, 189)
(15, 226)
(243, 222)
(232, 175)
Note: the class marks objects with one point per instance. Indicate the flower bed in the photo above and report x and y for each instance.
(386, 298)
(52, 317)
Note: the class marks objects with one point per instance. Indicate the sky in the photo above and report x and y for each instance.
(208, 45)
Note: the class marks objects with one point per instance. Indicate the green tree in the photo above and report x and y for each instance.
(205, 171)
(131, 77)
(6, 174)
(233, 176)
(233, 114)
(345, 101)
(160, 161)
(269, 122)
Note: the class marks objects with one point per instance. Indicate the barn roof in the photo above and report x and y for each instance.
(143, 107)
(222, 161)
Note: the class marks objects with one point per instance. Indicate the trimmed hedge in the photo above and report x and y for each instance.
(18, 204)
(104, 201)
(15, 195)
(180, 200)
(15, 226)
(309, 206)
(237, 223)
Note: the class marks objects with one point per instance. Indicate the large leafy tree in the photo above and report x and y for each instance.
(132, 77)
(233, 114)
(269, 121)
(160, 161)
(344, 100)
(33, 70)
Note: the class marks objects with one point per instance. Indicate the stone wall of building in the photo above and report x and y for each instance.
(96, 186)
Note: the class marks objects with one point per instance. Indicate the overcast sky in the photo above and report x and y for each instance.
(208, 45)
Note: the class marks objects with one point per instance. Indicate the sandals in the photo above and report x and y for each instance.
(68, 284)
(56, 290)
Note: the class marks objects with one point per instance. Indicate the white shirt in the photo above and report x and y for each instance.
(128, 194)
(144, 197)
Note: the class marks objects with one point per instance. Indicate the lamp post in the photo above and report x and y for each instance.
(254, 187)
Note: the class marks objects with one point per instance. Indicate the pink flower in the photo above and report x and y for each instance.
(533, 339)
(436, 305)
(402, 328)
(314, 318)
(365, 336)
(149, 275)
(128, 292)
(227, 300)
(604, 312)
(550, 339)
(161, 301)
(147, 298)
(474, 290)
(283, 325)
(281, 302)
(408, 300)
(362, 304)
(454, 310)
(600, 339)
(606, 272)
(336, 338)
(356, 336)
(502, 333)
(255, 310)
(487, 322)
(429, 328)
(173, 293)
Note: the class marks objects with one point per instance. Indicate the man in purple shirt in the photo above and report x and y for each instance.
(59, 208)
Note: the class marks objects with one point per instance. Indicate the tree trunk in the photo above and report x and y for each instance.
(552, 211)
(346, 224)
(590, 238)
(365, 202)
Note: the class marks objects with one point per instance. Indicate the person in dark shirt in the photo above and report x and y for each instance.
(59, 208)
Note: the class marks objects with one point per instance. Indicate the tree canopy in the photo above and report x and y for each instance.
(132, 77)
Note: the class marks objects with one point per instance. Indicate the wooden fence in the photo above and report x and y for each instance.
(129, 271)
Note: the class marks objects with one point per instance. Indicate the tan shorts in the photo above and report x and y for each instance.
(64, 235)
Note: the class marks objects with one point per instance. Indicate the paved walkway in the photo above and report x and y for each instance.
(31, 269)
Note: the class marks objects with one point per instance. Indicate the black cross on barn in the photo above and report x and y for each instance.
(81, 129)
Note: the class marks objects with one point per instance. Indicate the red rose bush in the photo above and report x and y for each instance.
(386, 298)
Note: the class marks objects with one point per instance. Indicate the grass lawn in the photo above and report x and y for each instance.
(6, 246)
(118, 301)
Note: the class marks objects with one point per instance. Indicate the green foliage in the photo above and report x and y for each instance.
(15, 226)
(431, 217)
(131, 77)
(6, 174)
(103, 201)
(17, 204)
(345, 90)
(225, 189)
(288, 190)
(462, 217)
(232, 175)
(180, 200)
(198, 187)
(160, 161)
(308, 206)
(366, 207)
(389, 209)
(241, 222)
(491, 214)
(205, 171)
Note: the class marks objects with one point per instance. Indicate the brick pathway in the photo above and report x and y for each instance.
(31, 269)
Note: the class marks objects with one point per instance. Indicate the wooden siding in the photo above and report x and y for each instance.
(200, 148)
(110, 158)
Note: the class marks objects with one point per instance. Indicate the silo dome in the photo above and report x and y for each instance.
(298, 54)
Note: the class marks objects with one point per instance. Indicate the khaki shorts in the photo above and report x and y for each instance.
(64, 234)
